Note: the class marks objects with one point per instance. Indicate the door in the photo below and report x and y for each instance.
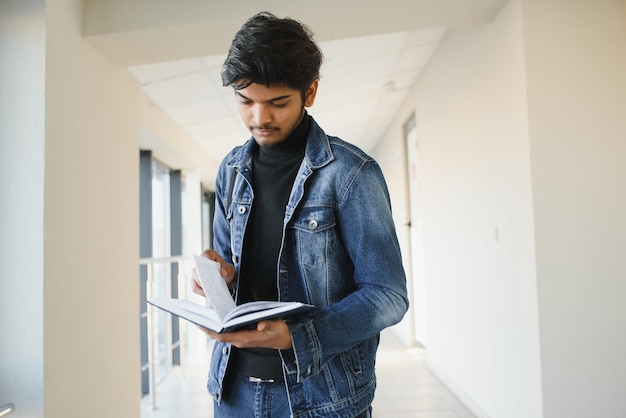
(418, 271)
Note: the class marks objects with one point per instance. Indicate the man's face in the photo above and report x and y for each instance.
(272, 113)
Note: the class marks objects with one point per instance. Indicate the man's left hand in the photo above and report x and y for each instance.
(268, 334)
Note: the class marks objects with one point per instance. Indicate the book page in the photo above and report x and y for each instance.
(190, 311)
(256, 311)
(214, 286)
(258, 306)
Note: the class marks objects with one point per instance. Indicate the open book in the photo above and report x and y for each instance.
(223, 315)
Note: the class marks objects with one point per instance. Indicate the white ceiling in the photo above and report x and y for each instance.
(374, 53)
(363, 82)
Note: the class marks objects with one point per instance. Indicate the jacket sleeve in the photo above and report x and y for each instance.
(221, 226)
(380, 300)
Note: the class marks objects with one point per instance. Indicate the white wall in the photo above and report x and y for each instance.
(91, 292)
(95, 117)
(576, 71)
(522, 150)
(70, 128)
(470, 106)
(391, 158)
(22, 81)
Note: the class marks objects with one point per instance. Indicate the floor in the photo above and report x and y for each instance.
(406, 389)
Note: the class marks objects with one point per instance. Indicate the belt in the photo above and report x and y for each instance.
(259, 380)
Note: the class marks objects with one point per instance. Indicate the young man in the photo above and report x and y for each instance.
(300, 216)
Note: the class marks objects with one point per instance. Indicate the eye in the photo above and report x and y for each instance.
(280, 105)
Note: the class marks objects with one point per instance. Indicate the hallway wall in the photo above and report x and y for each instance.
(22, 116)
(521, 131)
(470, 106)
(70, 128)
(91, 317)
(576, 72)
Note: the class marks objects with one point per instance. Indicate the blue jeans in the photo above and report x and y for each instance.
(246, 399)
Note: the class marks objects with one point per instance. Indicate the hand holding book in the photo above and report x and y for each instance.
(214, 287)
(227, 271)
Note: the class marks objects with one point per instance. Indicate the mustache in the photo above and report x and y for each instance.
(264, 127)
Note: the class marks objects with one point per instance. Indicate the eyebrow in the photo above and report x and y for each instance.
(273, 99)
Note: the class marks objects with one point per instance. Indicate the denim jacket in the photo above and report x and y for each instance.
(340, 253)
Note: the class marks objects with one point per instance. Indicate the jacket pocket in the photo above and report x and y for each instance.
(358, 365)
(313, 228)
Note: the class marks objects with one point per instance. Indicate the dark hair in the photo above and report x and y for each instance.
(268, 50)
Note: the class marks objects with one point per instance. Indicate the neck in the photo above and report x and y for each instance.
(294, 143)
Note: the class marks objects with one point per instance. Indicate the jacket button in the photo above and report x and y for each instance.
(312, 224)
(225, 350)
(241, 209)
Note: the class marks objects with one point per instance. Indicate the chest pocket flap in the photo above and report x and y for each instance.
(314, 219)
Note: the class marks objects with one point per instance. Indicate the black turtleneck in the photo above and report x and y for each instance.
(274, 170)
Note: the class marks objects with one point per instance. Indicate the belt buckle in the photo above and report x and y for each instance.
(259, 380)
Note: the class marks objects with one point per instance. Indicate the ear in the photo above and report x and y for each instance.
(309, 97)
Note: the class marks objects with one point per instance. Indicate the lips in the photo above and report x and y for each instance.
(265, 131)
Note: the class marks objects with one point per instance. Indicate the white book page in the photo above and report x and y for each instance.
(214, 286)
(258, 310)
(258, 306)
(188, 310)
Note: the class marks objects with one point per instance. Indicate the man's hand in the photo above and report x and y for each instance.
(227, 271)
(269, 334)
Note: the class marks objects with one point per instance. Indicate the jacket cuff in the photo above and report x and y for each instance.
(305, 358)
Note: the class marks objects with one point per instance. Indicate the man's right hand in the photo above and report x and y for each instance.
(227, 271)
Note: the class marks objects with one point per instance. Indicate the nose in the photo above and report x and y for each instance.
(261, 114)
